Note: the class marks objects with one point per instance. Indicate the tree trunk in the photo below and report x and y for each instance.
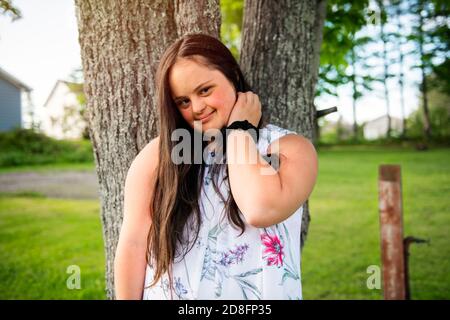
(280, 58)
(121, 43)
(423, 86)
(355, 94)
(401, 74)
(384, 39)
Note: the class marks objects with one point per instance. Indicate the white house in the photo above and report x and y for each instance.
(62, 117)
(377, 128)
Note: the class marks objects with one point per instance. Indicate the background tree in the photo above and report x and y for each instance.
(439, 32)
(121, 43)
(337, 57)
(425, 58)
(8, 8)
(386, 75)
(343, 21)
(280, 53)
(431, 35)
(396, 9)
(439, 104)
(358, 74)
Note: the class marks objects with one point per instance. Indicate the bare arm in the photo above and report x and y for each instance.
(130, 258)
(267, 199)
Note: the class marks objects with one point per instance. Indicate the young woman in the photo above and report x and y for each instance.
(225, 229)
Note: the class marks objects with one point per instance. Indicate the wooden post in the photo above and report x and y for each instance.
(391, 225)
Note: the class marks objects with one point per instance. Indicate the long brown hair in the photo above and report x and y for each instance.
(178, 186)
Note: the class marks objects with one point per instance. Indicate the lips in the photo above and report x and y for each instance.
(206, 117)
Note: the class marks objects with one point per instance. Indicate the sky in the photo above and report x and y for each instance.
(42, 47)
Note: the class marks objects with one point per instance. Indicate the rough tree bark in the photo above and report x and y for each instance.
(280, 57)
(121, 43)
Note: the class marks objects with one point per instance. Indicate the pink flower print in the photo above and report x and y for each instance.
(273, 253)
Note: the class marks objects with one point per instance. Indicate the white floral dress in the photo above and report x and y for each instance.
(262, 263)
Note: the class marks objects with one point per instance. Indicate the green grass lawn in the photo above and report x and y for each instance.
(40, 237)
(63, 166)
(344, 233)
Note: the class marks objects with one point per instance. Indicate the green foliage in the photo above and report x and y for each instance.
(76, 86)
(438, 31)
(9, 9)
(441, 81)
(431, 35)
(342, 23)
(26, 146)
(230, 30)
(430, 28)
(439, 109)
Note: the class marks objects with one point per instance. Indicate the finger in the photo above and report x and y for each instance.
(258, 102)
(251, 99)
(255, 100)
(253, 95)
(243, 97)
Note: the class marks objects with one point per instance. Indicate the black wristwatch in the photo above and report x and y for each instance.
(243, 125)
(238, 125)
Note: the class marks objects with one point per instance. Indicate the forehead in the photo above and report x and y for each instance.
(186, 74)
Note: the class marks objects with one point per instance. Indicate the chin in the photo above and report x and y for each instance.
(213, 124)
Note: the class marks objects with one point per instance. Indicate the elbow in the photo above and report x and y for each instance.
(259, 217)
(266, 216)
(258, 212)
(257, 223)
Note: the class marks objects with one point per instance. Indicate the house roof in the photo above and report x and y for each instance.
(384, 116)
(13, 80)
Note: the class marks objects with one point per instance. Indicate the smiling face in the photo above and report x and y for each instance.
(201, 94)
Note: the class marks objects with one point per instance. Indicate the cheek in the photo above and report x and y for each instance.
(186, 114)
(221, 101)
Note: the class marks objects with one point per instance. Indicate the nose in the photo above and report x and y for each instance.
(198, 107)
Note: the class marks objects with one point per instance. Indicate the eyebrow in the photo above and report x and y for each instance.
(195, 89)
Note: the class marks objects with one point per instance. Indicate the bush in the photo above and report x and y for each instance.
(27, 147)
(439, 120)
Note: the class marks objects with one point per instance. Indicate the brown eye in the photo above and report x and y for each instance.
(205, 90)
(180, 103)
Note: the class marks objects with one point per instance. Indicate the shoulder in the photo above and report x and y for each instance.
(289, 143)
(295, 142)
(275, 131)
(144, 165)
(298, 158)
